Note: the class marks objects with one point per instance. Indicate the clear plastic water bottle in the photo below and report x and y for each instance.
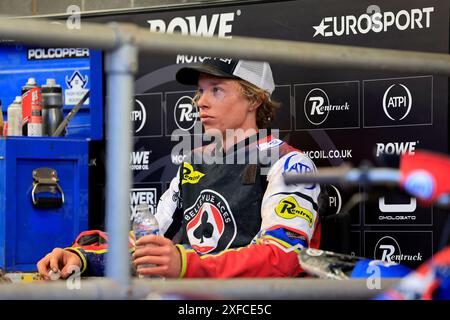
(145, 223)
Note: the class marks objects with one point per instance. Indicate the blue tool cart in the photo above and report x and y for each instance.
(44, 181)
(30, 230)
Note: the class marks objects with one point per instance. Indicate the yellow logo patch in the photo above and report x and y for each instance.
(288, 208)
(190, 175)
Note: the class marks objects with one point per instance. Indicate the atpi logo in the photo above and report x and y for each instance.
(203, 26)
(138, 116)
(334, 199)
(377, 22)
(297, 167)
(185, 114)
(317, 106)
(397, 102)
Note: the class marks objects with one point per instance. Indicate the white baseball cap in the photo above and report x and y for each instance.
(257, 73)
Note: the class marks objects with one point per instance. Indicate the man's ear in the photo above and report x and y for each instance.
(257, 103)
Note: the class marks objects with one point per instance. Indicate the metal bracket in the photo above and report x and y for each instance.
(45, 180)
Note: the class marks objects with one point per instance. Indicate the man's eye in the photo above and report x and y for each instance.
(216, 89)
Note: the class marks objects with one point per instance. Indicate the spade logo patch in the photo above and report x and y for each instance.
(211, 226)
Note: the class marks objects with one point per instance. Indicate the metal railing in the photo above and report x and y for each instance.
(122, 43)
(204, 289)
(112, 36)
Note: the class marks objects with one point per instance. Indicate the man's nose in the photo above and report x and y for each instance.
(202, 101)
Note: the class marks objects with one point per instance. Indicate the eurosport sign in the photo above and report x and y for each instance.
(374, 20)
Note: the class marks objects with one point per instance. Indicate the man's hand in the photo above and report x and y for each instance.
(161, 252)
(59, 261)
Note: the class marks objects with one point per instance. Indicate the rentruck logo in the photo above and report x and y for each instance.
(317, 106)
(388, 250)
(185, 114)
(402, 20)
(203, 26)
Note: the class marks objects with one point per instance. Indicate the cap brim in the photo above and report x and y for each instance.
(190, 75)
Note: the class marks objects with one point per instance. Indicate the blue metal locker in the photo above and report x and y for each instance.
(27, 233)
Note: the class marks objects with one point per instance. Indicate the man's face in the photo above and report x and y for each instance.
(222, 105)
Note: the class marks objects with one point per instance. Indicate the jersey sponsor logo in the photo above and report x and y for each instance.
(211, 225)
(269, 145)
(288, 208)
(297, 167)
(190, 175)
